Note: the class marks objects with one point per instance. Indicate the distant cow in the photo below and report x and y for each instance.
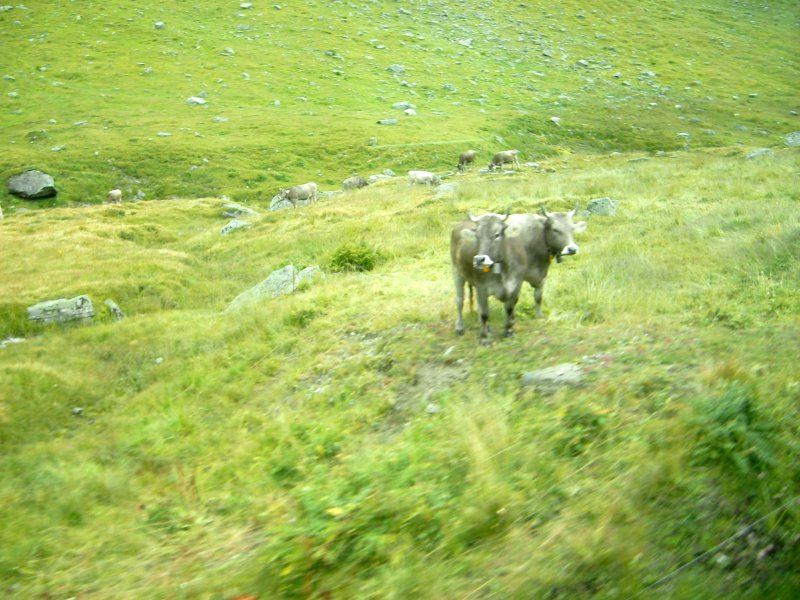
(306, 192)
(114, 197)
(423, 178)
(504, 158)
(354, 182)
(495, 253)
(466, 158)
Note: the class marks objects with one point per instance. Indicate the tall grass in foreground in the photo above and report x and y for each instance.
(343, 442)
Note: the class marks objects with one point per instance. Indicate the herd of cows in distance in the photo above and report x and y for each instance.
(493, 253)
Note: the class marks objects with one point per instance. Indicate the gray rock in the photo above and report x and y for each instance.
(11, 340)
(377, 177)
(32, 185)
(278, 203)
(114, 309)
(410, 112)
(396, 69)
(195, 100)
(233, 210)
(388, 173)
(353, 183)
(233, 225)
(387, 122)
(158, 25)
(601, 207)
(446, 189)
(554, 377)
(792, 139)
(448, 87)
(279, 283)
(757, 153)
(61, 310)
(403, 105)
(308, 275)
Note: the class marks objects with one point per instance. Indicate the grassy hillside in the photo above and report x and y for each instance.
(294, 90)
(342, 442)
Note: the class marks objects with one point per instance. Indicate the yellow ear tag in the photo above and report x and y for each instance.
(487, 269)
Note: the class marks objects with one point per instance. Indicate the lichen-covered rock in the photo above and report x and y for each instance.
(32, 185)
(61, 310)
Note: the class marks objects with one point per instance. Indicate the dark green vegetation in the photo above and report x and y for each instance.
(341, 442)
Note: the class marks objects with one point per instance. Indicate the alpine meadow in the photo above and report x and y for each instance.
(199, 434)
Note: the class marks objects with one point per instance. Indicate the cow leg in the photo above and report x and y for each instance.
(483, 313)
(537, 297)
(459, 283)
(510, 304)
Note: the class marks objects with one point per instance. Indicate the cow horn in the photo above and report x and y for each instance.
(472, 217)
(508, 213)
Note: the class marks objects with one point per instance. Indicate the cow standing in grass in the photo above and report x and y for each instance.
(423, 178)
(306, 192)
(466, 158)
(505, 158)
(495, 253)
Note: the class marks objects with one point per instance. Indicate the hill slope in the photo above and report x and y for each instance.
(294, 91)
(343, 442)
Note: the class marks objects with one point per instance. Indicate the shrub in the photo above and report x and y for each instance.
(353, 257)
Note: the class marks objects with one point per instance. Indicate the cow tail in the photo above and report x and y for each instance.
(471, 298)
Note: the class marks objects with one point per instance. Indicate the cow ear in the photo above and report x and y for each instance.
(579, 227)
(472, 217)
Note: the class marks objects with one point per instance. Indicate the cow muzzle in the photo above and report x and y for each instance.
(485, 264)
(570, 250)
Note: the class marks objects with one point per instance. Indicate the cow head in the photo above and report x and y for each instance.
(283, 192)
(558, 231)
(489, 232)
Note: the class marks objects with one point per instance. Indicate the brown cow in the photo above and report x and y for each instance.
(496, 253)
(504, 158)
(466, 158)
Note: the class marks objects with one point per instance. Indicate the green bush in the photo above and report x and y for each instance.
(353, 257)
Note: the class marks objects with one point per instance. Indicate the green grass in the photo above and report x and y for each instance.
(289, 450)
(725, 74)
(342, 441)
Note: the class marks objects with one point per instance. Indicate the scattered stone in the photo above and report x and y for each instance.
(158, 25)
(11, 340)
(279, 203)
(279, 283)
(233, 210)
(410, 112)
(195, 101)
(387, 122)
(446, 189)
(396, 69)
(792, 139)
(61, 310)
(448, 87)
(757, 153)
(246, 5)
(114, 309)
(353, 183)
(388, 173)
(556, 121)
(32, 185)
(373, 141)
(220, 119)
(233, 225)
(432, 409)
(601, 207)
(554, 377)
(163, 134)
(377, 177)
(76, 411)
(403, 105)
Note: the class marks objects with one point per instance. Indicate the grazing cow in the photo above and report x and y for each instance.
(496, 253)
(306, 192)
(354, 182)
(466, 158)
(504, 158)
(114, 197)
(423, 178)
